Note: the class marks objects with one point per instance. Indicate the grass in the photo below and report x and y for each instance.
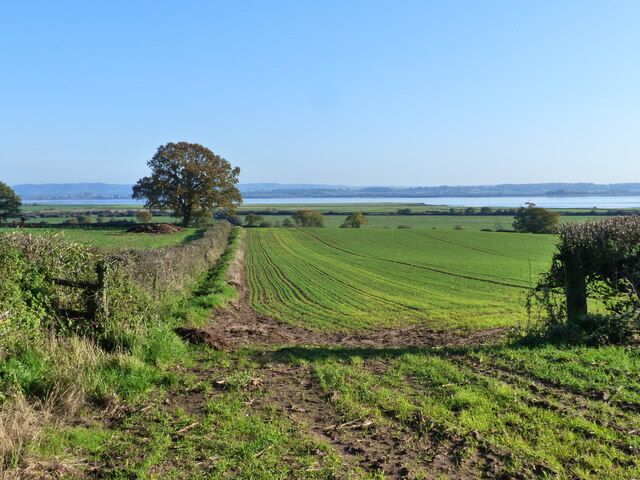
(459, 396)
(119, 239)
(165, 409)
(435, 403)
(346, 279)
(224, 437)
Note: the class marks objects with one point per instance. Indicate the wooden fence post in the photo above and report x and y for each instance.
(575, 289)
(96, 294)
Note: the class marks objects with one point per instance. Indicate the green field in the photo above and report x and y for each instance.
(345, 279)
(118, 239)
(449, 408)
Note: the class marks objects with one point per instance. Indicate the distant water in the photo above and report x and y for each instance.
(508, 202)
(86, 201)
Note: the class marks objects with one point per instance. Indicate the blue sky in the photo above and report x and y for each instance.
(349, 92)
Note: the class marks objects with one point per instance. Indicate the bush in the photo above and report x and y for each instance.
(144, 216)
(594, 329)
(28, 297)
(597, 258)
(137, 282)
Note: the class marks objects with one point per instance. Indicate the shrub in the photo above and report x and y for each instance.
(28, 297)
(144, 216)
(598, 258)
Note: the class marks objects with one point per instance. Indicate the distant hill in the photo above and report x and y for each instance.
(61, 191)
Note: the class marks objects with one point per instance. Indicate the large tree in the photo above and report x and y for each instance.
(355, 220)
(9, 202)
(187, 178)
(534, 219)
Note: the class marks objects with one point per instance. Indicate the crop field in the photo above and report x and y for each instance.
(347, 279)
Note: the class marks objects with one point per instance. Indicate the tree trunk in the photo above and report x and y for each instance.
(575, 290)
(186, 217)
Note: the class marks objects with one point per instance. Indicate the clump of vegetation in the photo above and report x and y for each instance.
(534, 219)
(9, 202)
(28, 296)
(308, 218)
(253, 220)
(354, 220)
(600, 259)
(144, 216)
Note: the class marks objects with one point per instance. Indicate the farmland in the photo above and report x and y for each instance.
(347, 354)
(352, 279)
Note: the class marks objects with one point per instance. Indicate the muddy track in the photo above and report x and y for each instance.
(373, 444)
(238, 325)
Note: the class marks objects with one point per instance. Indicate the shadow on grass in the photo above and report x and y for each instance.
(320, 354)
(197, 235)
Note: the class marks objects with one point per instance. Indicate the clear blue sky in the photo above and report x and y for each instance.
(350, 92)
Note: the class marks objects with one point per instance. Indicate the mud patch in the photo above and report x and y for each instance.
(200, 336)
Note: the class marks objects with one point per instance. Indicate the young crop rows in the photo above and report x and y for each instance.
(353, 279)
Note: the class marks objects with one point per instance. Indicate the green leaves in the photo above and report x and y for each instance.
(9, 202)
(187, 178)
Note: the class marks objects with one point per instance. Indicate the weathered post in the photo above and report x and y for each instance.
(575, 289)
(97, 301)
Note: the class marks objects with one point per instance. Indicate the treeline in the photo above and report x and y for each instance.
(451, 211)
(99, 214)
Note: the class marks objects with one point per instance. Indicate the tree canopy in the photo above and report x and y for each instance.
(354, 220)
(9, 202)
(253, 220)
(308, 218)
(190, 180)
(534, 219)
